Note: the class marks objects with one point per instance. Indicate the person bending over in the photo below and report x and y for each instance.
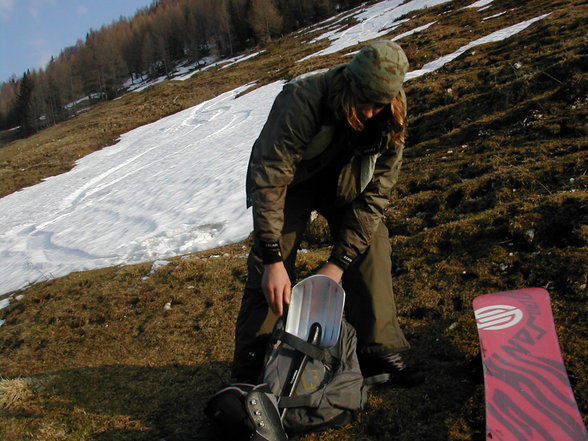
(333, 143)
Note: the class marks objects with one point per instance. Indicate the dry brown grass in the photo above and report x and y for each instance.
(14, 392)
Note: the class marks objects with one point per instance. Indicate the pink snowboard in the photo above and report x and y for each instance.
(528, 393)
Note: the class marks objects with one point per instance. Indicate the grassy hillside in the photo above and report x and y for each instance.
(493, 196)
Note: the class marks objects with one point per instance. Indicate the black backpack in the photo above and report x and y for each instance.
(311, 388)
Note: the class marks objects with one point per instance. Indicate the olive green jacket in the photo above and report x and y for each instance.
(300, 137)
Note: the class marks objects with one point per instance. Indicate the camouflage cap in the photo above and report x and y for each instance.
(377, 71)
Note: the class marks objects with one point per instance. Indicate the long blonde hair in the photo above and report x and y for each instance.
(346, 105)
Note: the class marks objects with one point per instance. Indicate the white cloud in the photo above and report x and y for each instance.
(36, 7)
(6, 7)
(41, 3)
(34, 13)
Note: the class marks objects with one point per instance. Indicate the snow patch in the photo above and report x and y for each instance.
(158, 264)
(491, 38)
(479, 4)
(374, 22)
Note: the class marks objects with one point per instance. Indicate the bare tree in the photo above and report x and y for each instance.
(152, 42)
(8, 96)
(265, 19)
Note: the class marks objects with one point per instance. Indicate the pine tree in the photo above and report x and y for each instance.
(23, 105)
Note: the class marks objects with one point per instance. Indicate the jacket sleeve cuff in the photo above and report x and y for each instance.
(270, 252)
(339, 258)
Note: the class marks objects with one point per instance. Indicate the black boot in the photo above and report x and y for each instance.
(393, 366)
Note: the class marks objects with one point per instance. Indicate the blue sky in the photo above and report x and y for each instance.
(31, 31)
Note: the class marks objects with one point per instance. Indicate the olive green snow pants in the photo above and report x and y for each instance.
(369, 306)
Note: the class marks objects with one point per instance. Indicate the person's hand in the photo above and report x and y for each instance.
(276, 286)
(331, 270)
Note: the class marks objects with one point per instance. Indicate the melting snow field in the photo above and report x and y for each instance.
(169, 188)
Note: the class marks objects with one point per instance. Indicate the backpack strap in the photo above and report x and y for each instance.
(297, 400)
(369, 382)
(300, 345)
(375, 380)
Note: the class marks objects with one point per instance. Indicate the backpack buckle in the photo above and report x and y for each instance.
(262, 410)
